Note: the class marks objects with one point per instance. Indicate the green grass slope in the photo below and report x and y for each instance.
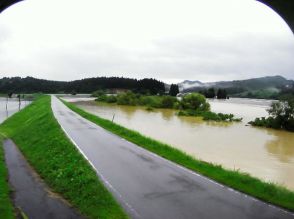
(55, 158)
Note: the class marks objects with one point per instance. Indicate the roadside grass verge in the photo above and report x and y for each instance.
(6, 206)
(42, 141)
(240, 181)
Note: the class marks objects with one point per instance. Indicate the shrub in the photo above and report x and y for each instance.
(195, 101)
(210, 116)
(168, 101)
(151, 101)
(102, 98)
(127, 98)
(281, 116)
(111, 99)
(98, 93)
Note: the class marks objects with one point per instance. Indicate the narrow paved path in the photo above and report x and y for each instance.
(30, 194)
(150, 187)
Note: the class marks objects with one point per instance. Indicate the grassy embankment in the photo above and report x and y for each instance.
(59, 163)
(243, 182)
(6, 206)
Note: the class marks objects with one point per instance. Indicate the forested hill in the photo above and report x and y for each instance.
(89, 85)
(249, 84)
(270, 87)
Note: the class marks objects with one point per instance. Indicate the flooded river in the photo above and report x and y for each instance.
(265, 153)
(9, 107)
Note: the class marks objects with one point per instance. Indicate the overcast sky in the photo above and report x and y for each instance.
(171, 40)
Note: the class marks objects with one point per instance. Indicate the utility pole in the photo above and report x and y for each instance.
(6, 107)
(19, 103)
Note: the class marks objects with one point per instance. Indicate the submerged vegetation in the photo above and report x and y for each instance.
(6, 207)
(59, 163)
(193, 104)
(281, 116)
(240, 181)
(210, 116)
(136, 99)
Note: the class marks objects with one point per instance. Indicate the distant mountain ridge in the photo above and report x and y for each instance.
(267, 82)
(190, 84)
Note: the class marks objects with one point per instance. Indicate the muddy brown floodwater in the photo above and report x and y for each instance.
(265, 153)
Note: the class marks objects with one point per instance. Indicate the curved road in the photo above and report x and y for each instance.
(151, 187)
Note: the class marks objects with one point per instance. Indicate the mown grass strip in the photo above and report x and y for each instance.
(243, 182)
(42, 141)
(6, 206)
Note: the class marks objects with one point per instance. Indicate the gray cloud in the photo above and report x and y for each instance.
(4, 36)
(175, 58)
(237, 57)
(169, 48)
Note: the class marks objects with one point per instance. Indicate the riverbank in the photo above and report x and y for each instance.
(6, 206)
(58, 162)
(240, 181)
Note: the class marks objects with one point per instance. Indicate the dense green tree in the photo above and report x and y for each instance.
(283, 113)
(98, 93)
(281, 116)
(194, 101)
(221, 94)
(210, 93)
(174, 90)
(168, 101)
(152, 86)
(127, 98)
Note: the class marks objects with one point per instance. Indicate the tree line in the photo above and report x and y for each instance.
(33, 85)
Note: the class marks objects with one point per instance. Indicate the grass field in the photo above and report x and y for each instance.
(6, 206)
(243, 182)
(42, 141)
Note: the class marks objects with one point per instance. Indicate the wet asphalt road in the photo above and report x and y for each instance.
(30, 194)
(150, 187)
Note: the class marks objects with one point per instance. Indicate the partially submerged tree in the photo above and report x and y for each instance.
(174, 90)
(210, 93)
(194, 101)
(168, 102)
(281, 116)
(221, 94)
